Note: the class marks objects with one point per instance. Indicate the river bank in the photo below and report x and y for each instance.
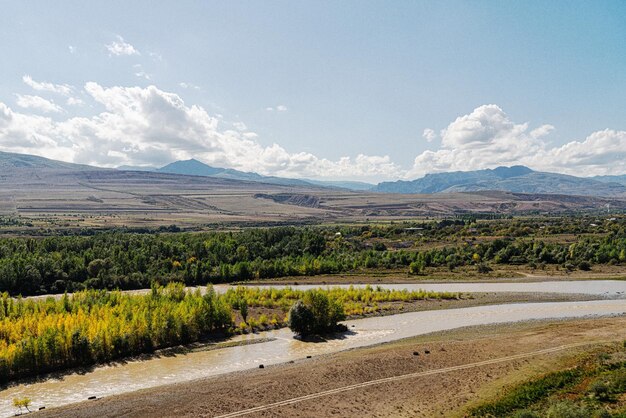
(444, 394)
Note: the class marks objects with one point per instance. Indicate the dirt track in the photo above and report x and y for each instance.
(426, 394)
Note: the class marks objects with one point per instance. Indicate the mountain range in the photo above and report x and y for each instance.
(515, 179)
(194, 167)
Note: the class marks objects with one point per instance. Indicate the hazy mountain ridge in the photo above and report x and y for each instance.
(194, 167)
(612, 179)
(517, 179)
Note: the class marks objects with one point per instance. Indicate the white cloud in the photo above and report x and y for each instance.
(121, 47)
(139, 72)
(541, 131)
(188, 85)
(602, 152)
(429, 135)
(38, 103)
(63, 89)
(71, 48)
(147, 126)
(74, 101)
(240, 126)
(487, 138)
(279, 108)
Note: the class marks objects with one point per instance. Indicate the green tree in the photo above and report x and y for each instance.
(316, 314)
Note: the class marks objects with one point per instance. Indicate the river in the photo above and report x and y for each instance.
(282, 347)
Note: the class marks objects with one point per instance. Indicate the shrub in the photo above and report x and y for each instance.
(315, 314)
(567, 409)
(599, 390)
(483, 268)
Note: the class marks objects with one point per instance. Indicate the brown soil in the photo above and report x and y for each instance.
(443, 394)
(462, 274)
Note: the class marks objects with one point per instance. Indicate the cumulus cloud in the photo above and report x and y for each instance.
(487, 138)
(429, 135)
(38, 103)
(151, 127)
(148, 126)
(121, 47)
(74, 101)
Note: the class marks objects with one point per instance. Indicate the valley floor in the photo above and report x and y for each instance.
(446, 393)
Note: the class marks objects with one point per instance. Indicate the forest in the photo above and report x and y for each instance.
(122, 260)
(96, 326)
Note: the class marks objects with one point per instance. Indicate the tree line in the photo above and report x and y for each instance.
(31, 266)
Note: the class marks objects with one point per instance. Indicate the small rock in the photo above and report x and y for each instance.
(261, 366)
(426, 352)
(91, 398)
(416, 353)
(308, 356)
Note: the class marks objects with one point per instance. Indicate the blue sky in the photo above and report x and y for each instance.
(318, 89)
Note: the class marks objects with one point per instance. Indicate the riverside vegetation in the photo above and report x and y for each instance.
(96, 326)
(594, 387)
(123, 260)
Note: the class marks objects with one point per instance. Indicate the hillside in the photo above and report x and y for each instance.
(9, 160)
(516, 179)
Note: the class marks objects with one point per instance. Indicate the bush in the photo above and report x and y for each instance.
(315, 314)
(483, 268)
(567, 409)
(599, 390)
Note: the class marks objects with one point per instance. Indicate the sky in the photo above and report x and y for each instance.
(349, 90)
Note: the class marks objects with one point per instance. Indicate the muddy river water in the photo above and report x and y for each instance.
(279, 346)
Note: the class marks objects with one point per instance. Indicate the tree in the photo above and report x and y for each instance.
(316, 314)
(21, 403)
(301, 319)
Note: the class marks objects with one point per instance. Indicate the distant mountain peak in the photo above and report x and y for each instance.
(191, 167)
(513, 171)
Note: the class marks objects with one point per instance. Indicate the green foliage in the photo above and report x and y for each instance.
(528, 393)
(315, 314)
(117, 260)
(567, 409)
(592, 389)
(22, 403)
(97, 326)
(94, 326)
